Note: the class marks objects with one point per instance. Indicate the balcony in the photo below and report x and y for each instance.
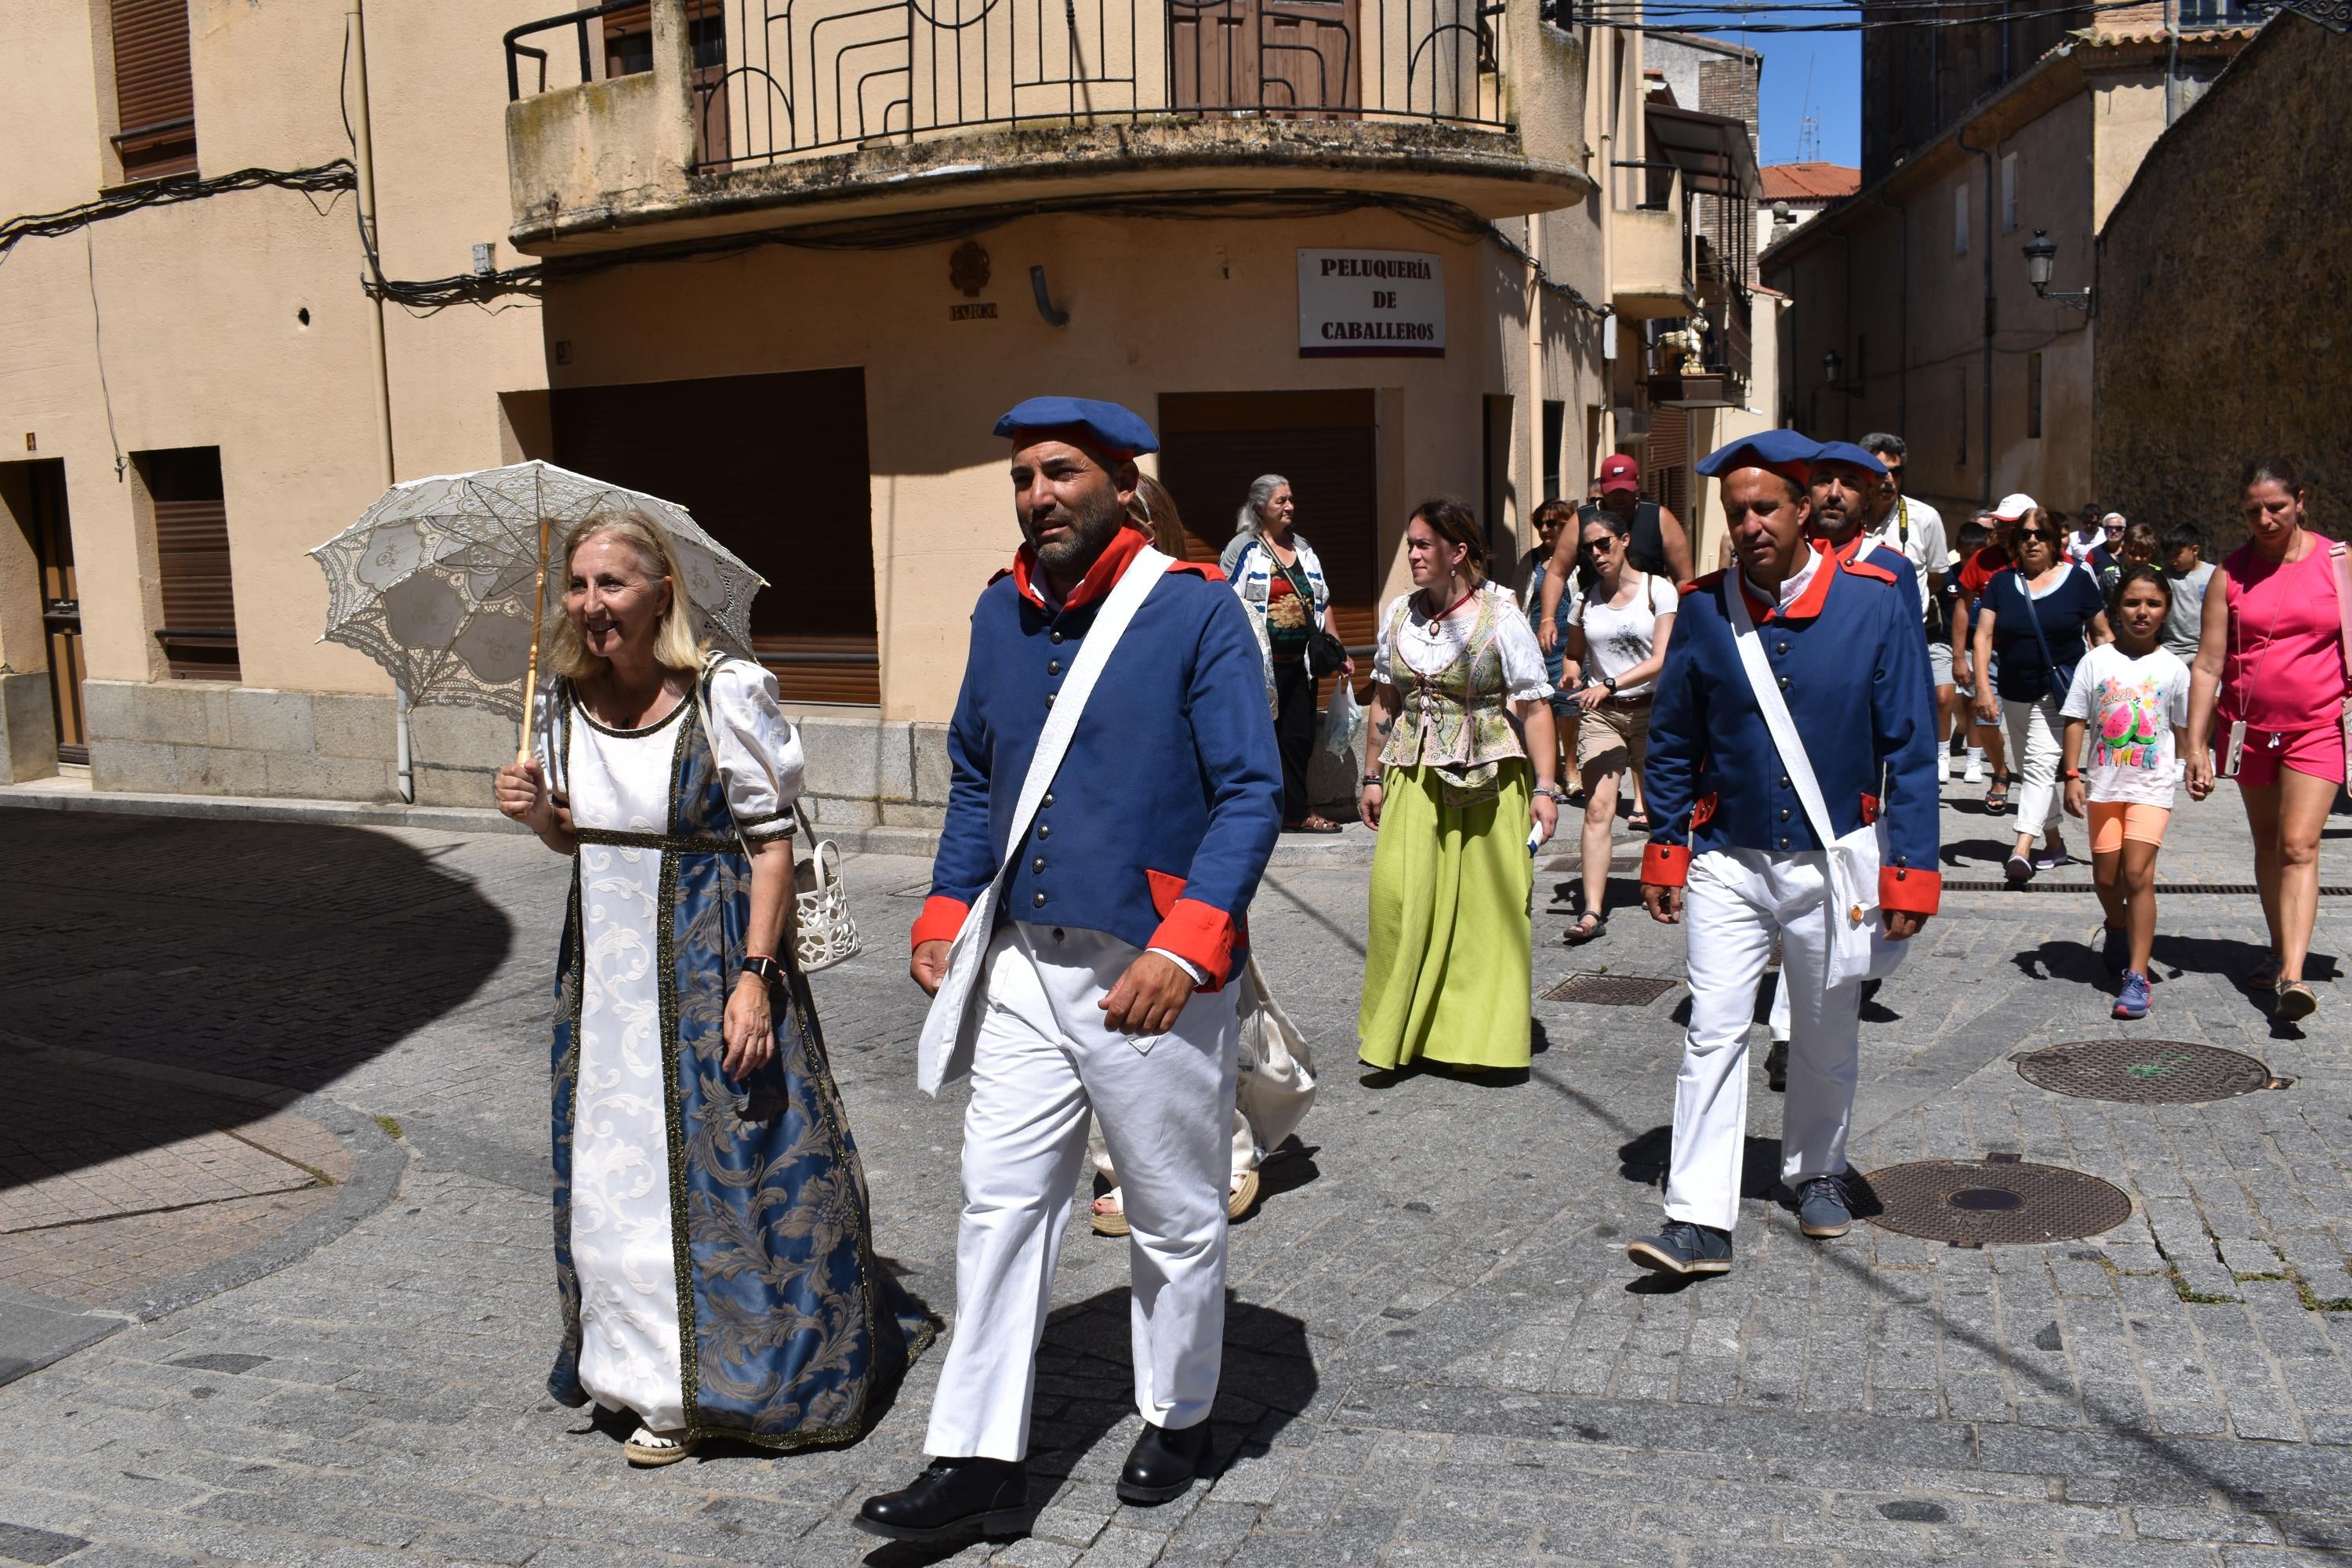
(1724, 356)
(708, 120)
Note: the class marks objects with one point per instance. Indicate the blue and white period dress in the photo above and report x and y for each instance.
(712, 1239)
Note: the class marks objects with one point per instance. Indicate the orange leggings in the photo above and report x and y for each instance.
(2112, 821)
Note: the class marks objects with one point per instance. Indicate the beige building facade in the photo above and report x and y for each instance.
(786, 272)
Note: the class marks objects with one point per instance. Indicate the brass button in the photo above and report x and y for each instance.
(1049, 696)
(1044, 830)
(1784, 686)
(1783, 647)
(1047, 801)
(1053, 667)
(1056, 637)
(1784, 816)
(1784, 781)
(1039, 900)
(1039, 863)
(1041, 897)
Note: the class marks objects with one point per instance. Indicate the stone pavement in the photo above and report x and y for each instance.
(1437, 1354)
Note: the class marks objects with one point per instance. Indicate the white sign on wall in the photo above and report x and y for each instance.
(1366, 304)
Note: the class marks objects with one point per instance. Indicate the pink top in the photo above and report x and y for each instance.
(2285, 669)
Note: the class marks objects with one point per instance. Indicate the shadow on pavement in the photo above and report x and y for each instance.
(277, 953)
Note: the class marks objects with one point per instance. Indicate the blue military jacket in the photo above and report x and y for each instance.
(1852, 665)
(1160, 822)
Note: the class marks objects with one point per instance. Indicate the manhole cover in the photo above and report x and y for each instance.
(1977, 1203)
(2152, 1072)
(1611, 990)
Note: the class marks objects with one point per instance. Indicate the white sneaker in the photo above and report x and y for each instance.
(1943, 767)
(1974, 773)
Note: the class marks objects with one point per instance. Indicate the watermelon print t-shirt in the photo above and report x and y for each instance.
(2129, 706)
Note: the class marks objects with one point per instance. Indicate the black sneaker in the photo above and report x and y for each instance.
(950, 1498)
(1683, 1249)
(1775, 1067)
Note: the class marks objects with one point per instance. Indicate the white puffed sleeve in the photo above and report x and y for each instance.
(758, 751)
(1524, 677)
(1384, 648)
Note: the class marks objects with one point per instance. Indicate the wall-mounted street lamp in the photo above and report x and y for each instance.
(1832, 374)
(2041, 253)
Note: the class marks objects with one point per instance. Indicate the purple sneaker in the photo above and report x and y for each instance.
(2133, 1003)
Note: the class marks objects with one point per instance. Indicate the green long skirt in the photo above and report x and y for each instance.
(1447, 974)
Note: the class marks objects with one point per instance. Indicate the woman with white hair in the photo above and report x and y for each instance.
(1280, 581)
(713, 1249)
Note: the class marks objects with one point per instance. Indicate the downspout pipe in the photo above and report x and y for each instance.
(1961, 140)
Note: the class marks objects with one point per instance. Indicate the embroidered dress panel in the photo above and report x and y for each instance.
(1453, 674)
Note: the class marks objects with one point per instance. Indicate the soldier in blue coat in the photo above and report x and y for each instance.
(1735, 856)
(1100, 986)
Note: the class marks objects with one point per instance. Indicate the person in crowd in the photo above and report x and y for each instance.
(2138, 546)
(2087, 535)
(1616, 646)
(1154, 509)
(2187, 571)
(1915, 531)
(637, 728)
(2034, 623)
(1659, 545)
(2130, 698)
(1982, 562)
(2266, 700)
(1280, 579)
(1463, 795)
(1735, 856)
(1122, 890)
(1550, 519)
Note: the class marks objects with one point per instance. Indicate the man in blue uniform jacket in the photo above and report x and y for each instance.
(1735, 856)
(1102, 985)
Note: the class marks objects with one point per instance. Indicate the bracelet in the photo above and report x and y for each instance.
(1372, 781)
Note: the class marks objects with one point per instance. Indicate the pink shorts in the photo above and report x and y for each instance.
(2112, 821)
(2317, 752)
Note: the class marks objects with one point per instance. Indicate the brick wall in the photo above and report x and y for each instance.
(2223, 278)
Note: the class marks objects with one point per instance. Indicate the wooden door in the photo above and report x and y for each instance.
(60, 605)
(1289, 58)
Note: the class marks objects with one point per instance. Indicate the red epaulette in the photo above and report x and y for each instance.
(1002, 573)
(1864, 569)
(1199, 569)
(1703, 584)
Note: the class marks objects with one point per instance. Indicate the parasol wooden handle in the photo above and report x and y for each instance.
(531, 670)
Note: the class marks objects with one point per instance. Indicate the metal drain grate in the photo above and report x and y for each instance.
(2149, 1072)
(1611, 990)
(1980, 1202)
(2166, 889)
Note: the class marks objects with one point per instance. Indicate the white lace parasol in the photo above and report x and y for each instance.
(434, 582)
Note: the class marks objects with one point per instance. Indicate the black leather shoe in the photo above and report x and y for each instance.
(1163, 1464)
(951, 1495)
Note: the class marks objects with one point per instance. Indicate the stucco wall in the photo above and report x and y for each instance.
(2224, 273)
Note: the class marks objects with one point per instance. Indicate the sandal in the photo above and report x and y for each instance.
(2265, 974)
(648, 1449)
(2297, 1001)
(1639, 821)
(1112, 1221)
(1997, 797)
(1313, 824)
(1588, 926)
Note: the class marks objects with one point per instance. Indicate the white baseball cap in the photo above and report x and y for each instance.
(2014, 506)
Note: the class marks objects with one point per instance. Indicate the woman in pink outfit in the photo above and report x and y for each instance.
(2272, 659)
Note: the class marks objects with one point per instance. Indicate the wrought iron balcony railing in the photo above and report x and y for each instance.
(784, 77)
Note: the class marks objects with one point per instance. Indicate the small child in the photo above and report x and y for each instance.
(2132, 695)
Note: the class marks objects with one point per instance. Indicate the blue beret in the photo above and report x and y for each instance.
(1775, 449)
(1847, 452)
(1109, 427)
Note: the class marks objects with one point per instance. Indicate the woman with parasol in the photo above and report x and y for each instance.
(712, 1240)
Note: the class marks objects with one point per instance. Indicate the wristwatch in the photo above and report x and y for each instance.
(770, 972)
(1610, 682)
(1553, 793)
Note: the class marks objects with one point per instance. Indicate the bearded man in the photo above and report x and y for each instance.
(1099, 909)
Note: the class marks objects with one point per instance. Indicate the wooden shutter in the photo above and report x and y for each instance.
(1665, 477)
(199, 630)
(154, 95)
(776, 468)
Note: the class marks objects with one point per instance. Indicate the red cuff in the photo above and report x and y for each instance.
(1909, 890)
(1665, 865)
(940, 920)
(1201, 934)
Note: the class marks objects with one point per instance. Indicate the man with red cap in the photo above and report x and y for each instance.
(1791, 744)
(1086, 914)
(1659, 545)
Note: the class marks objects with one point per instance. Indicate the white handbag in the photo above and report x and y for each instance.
(1277, 1086)
(824, 933)
(1858, 948)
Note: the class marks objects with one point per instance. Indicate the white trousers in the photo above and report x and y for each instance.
(2033, 749)
(1735, 900)
(1042, 1062)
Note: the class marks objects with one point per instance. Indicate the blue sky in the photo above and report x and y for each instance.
(1835, 60)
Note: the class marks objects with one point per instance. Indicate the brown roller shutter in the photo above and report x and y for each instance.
(155, 98)
(1665, 478)
(199, 630)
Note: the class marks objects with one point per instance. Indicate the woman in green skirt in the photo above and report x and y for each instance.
(1458, 708)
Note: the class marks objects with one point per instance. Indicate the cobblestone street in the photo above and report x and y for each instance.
(277, 1167)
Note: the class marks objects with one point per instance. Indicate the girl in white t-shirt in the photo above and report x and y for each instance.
(2130, 700)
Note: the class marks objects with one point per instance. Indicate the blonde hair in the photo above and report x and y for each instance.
(675, 644)
(1155, 509)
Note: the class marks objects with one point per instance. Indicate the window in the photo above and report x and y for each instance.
(1555, 433)
(1963, 456)
(2008, 193)
(190, 519)
(1960, 219)
(2034, 397)
(154, 97)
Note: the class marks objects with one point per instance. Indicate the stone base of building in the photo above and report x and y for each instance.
(28, 727)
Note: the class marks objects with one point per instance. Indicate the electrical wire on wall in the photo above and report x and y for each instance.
(336, 174)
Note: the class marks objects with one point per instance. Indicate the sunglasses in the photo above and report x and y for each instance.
(1602, 545)
(2023, 534)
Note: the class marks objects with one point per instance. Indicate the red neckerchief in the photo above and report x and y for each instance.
(1107, 571)
(1456, 605)
(1807, 604)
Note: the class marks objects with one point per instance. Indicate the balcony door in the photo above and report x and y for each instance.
(35, 492)
(1288, 58)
